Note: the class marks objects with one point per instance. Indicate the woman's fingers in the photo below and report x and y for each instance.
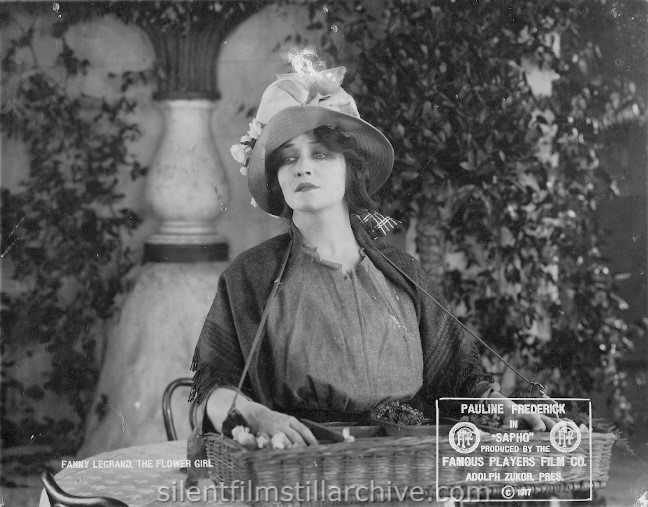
(298, 434)
(539, 422)
(305, 433)
(536, 422)
(273, 423)
(549, 422)
(265, 420)
(294, 437)
(532, 420)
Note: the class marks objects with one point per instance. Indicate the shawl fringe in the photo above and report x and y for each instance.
(209, 377)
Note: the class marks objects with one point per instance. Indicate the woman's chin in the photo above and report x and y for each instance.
(314, 206)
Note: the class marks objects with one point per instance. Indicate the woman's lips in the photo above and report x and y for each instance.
(303, 187)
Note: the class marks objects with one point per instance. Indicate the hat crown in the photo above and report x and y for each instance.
(322, 89)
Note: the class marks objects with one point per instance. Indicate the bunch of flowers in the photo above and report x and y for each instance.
(261, 440)
(241, 152)
(243, 436)
(397, 413)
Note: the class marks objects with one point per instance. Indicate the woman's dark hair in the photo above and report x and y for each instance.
(357, 177)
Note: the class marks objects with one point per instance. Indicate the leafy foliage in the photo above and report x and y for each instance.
(186, 37)
(164, 15)
(62, 230)
(503, 182)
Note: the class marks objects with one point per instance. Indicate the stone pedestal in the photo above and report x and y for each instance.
(153, 341)
(151, 344)
(187, 188)
(158, 327)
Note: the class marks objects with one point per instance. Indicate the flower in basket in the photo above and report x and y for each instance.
(398, 413)
(348, 437)
(263, 440)
(242, 435)
(278, 441)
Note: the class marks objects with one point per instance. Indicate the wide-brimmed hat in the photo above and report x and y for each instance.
(295, 104)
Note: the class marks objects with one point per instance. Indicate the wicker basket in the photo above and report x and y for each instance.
(573, 478)
(390, 462)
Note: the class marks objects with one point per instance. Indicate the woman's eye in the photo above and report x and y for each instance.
(289, 160)
(320, 154)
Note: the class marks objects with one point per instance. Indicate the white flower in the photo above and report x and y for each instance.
(262, 440)
(239, 431)
(255, 129)
(348, 437)
(238, 153)
(278, 441)
(253, 202)
(242, 435)
(245, 139)
(244, 171)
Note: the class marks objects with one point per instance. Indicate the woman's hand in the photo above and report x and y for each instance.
(537, 422)
(260, 418)
(264, 420)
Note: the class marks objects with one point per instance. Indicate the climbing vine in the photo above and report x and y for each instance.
(504, 183)
(63, 231)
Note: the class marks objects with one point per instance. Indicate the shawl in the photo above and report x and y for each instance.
(451, 363)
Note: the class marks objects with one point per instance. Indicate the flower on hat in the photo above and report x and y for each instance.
(241, 152)
(313, 74)
(238, 152)
(255, 128)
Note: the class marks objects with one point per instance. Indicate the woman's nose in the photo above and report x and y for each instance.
(302, 167)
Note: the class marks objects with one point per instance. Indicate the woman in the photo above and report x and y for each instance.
(348, 326)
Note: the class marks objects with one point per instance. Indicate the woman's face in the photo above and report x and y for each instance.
(311, 176)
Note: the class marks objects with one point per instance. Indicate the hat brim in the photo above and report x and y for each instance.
(293, 121)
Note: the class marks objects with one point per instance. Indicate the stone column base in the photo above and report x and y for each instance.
(151, 344)
(187, 253)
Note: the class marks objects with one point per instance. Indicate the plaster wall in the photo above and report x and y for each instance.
(249, 60)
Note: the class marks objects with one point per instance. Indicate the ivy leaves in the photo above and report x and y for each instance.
(503, 181)
(64, 225)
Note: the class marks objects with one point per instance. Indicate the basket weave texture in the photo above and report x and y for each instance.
(396, 462)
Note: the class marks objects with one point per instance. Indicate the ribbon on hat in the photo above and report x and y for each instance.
(317, 88)
(376, 224)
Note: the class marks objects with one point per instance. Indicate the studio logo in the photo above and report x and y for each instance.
(565, 436)
(464, 437)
